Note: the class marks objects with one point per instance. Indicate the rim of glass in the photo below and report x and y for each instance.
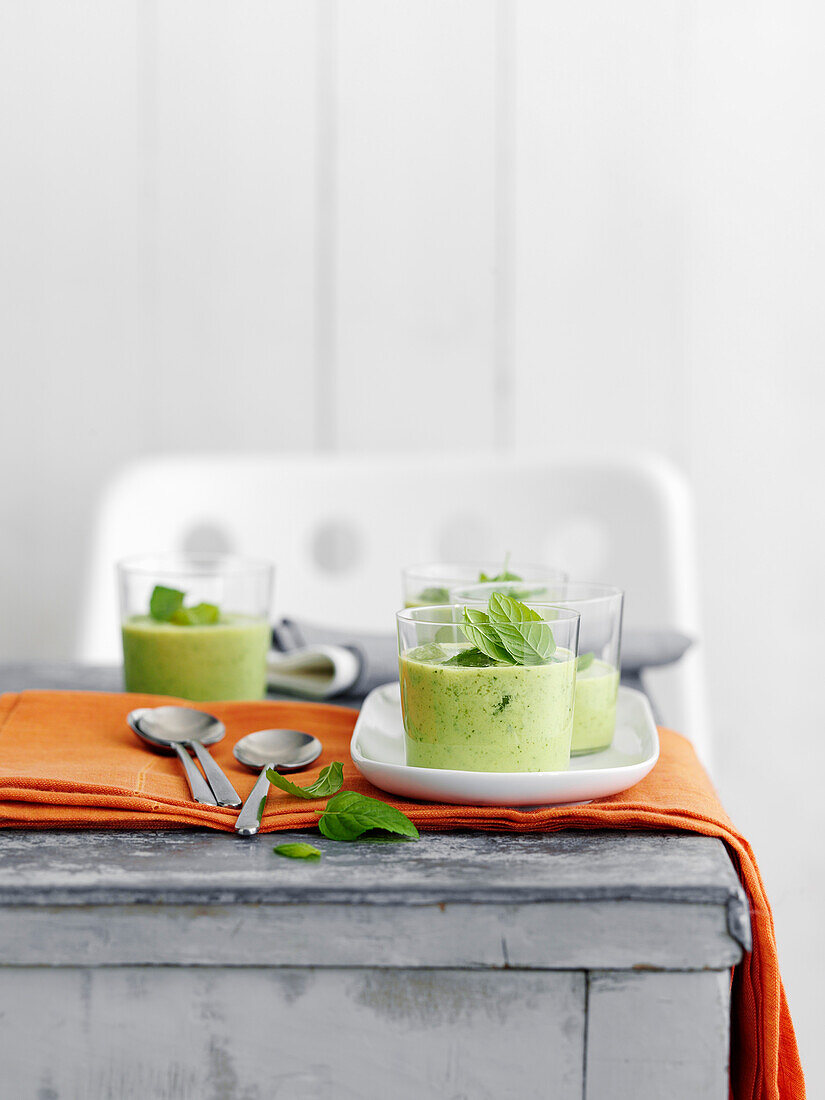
(416, 614)
(441, 570)
(599, 591)
(174, 563)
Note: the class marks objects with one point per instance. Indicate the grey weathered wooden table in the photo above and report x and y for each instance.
(196, 965)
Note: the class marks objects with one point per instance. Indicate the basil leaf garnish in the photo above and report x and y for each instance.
(164, 602)
(504, 575)
(328, 782)
(433, 595)
(202, 614)
(349, 814)
(483, 635)
(522, 631)
(585, 661)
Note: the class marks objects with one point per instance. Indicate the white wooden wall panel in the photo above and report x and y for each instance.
(415, 280)
(231, 315)
(599, 224)
(68, 158)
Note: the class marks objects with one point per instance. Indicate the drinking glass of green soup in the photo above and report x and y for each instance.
(432, 582)
(195, 625)
(600, 636)
(490, 690)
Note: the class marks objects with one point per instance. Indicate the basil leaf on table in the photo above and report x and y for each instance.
(348, 815)
(298, 850)
(164, 602)
(328, 782)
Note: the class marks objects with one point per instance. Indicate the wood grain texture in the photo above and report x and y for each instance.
(175, 1034)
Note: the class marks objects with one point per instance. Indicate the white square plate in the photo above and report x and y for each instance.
(377, 750)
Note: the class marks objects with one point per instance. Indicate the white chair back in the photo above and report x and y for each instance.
(340, 527)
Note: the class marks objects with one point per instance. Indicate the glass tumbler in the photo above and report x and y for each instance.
(195, 625)
(465, 710)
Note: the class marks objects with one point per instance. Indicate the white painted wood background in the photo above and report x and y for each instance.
(370, 224)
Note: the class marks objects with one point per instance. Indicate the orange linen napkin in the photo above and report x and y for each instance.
(68, 759)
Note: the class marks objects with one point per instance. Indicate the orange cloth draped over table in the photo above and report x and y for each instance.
(68, 760)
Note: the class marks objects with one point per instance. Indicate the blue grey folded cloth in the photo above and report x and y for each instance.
(377, 654)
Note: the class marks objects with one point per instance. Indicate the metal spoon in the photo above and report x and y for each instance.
(283, 750)
(177, 729)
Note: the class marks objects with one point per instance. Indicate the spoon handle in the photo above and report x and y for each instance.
(222, 789)
(197, 784)
(249, 819)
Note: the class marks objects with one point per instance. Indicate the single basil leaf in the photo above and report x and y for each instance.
(164, 602)
(585, 661)
(348, 815)
(522, 631)
(299, 850)
(483, 635)
(328, 782)
(471, 658)
(202, 614)
(434, 595)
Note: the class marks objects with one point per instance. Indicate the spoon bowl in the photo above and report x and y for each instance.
(182, 725)
(284, 750)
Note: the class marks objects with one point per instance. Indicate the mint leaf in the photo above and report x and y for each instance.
(299, 850)
(202, 614)
(433, 595)
(348, 815)
(328, 782)
(164, 602)
(585, 661)
(521, 631)
(471, 658)
(483, 635)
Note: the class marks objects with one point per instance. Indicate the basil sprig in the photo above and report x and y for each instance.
(509, 632)
(504, 575)
(346, 816)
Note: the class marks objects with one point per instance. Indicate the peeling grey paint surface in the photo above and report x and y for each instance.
(201, 867)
